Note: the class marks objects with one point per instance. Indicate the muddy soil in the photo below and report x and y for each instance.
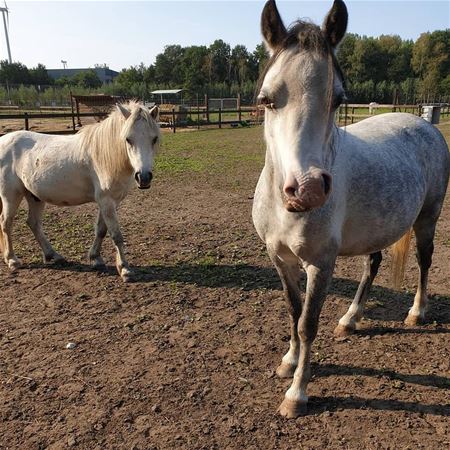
(185, 356)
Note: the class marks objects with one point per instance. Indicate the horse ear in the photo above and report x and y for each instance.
(154, 112)
(272, 27)
(124, 111)
(335, 24)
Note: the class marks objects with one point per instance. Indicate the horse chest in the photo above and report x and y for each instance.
(288, 233)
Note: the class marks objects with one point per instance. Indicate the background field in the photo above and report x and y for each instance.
(185, 356)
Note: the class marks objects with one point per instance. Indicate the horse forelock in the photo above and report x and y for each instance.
(138, 111)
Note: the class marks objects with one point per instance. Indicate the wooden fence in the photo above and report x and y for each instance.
(202, 116)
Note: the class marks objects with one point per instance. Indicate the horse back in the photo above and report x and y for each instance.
(391, 167)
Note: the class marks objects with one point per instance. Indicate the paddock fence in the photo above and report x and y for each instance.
(187, 118)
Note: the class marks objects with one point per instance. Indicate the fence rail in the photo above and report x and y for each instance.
(203, 116)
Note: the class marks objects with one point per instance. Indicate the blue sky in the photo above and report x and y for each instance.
(121, 34)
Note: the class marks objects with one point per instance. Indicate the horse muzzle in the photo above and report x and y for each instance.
(307, 192)
(143, 179)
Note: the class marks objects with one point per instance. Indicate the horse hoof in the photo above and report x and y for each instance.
(98, 264)
(55, 258)
(59, 259)
(126, 275)
(285, 370)
(292, 409)
(412, 321)
(343, 331)
(14, 264)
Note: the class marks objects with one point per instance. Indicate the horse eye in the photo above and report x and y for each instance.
(155, 140)
(265, 101)
(129, 141)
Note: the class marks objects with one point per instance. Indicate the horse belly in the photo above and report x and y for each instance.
(60, 186)
(382, 223)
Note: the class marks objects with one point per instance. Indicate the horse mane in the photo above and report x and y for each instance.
(104, 142)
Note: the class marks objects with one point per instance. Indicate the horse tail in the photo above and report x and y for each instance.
(399, 253)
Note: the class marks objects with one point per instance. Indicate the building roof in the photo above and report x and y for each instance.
(167, 91)
(104, 73)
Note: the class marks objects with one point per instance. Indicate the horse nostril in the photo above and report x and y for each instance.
(137, 177)
(326, 183)
(289, 191)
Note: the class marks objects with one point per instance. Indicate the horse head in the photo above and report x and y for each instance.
(141, 134)
(301, 87)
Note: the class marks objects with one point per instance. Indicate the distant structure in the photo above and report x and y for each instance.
(5, 14)
(169, 96)
(105, 74)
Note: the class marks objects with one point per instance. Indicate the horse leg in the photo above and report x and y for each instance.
(10, 204)
(318, 281)
(347, 323)
(289, 272)
(424, 231)
(108, 211)
(34, 221)
(100, 233)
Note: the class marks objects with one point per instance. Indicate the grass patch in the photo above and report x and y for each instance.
(211, 151)
(444, 128)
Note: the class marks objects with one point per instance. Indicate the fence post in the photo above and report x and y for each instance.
(239, 107)
(198, 116)
(207, 108)
(174, 129)
(220, 117)
(26, 121)
(353, 113)
(73, 112)
(77, 103)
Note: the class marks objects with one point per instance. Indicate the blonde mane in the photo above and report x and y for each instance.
(104, 143)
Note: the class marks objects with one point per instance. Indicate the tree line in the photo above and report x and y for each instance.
(384, 69)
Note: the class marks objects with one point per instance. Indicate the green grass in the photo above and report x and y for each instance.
(219, 151)
(444, 128)
(211, 151)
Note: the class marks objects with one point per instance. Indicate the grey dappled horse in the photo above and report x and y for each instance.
(325, 191)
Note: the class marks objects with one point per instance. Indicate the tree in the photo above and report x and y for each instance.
(240, 64)
(259, 60)
(166, 64)
(396, 57)
(194, 68)
(220, 58)
(129, 76)
(15, 73)
(431, 61)
(40, 76)
(87, 79)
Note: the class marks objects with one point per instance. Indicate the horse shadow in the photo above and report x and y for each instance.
(317, 405)
(384, 304)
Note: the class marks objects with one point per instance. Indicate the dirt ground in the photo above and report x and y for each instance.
(185, 357)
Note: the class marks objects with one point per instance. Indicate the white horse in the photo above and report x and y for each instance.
(326, 191)
(97, 164)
